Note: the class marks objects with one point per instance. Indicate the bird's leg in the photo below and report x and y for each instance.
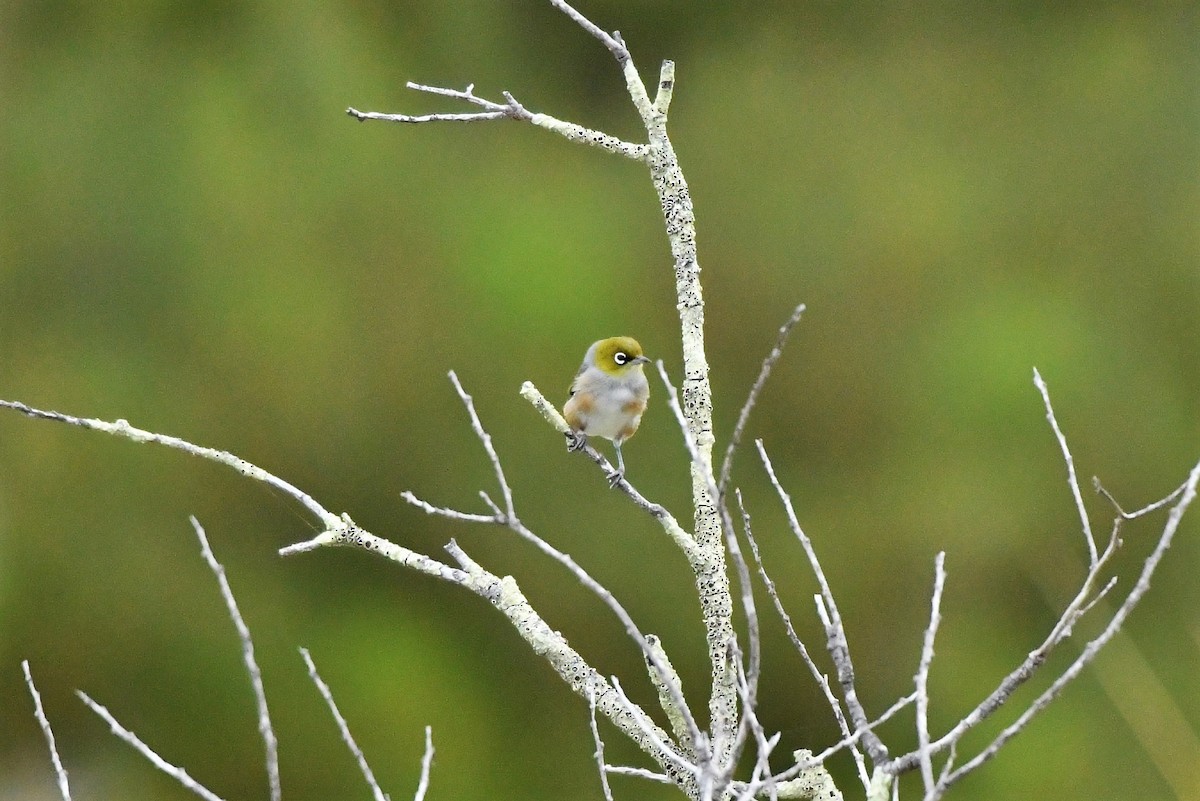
(576, 441)
(615, 478)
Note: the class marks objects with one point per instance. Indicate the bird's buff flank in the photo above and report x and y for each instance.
(608, 396)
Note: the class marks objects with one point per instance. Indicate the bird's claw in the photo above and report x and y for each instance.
(615, 478)
(576, 441)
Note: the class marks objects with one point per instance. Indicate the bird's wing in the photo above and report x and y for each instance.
(575, 381)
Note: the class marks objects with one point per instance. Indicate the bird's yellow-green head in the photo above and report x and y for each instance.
(617, 355)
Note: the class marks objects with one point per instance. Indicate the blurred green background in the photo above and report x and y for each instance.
(195, 237)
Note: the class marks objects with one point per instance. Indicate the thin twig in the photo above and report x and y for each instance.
(179, 774)
(1092, 648)
(612, 42)
(821, 679)
(1145, 510)
(922, 678)
(641, 773)
(835, 632)
(1071, 479)
(749, 721)
(122, 428)
(343, 727)
(486, 439)
(599, 752)
(60, 773)
(764, 372)
(265, 730)
(426, 765)
(845, 742)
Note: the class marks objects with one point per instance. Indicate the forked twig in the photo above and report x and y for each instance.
(1093, 647)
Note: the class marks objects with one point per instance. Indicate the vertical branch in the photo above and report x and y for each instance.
(679, 217)
(599, 753)
(711, 578)
(922, 678)
(426, 764)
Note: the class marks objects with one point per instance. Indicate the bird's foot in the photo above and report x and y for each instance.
(615, 478)
(576, 441)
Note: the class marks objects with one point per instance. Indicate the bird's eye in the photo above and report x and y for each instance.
(621, 357)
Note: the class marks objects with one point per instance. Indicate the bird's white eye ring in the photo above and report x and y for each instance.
(621, 357)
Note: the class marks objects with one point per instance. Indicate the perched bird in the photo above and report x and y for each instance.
(608, 396)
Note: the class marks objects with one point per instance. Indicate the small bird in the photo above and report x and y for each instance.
(608, 396)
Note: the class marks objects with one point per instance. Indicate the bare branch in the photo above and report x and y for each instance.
(1071, 479)
(612, 41)
(1145, 510)
(478, 116)
(641, 773)
(265, 730)
(922, 679)
(1092, 648)
(510, 109)
(666, 681)
(178, 774)
(505, 595)
(599, 753)
(835, 632)
(821, 679)
(764, 372)
(492, 111)
(121, 428)
(451, 514)
(846, 742)
(426, 765)
(653, 652)
(343, 728)
(656, 736)
(486, 439)
(60, 773)
(1083, 601)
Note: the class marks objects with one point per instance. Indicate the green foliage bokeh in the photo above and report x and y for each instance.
(193, 236)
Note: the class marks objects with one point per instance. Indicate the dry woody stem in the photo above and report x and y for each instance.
(701, 755)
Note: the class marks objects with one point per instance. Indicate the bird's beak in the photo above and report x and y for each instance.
(639, 360)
